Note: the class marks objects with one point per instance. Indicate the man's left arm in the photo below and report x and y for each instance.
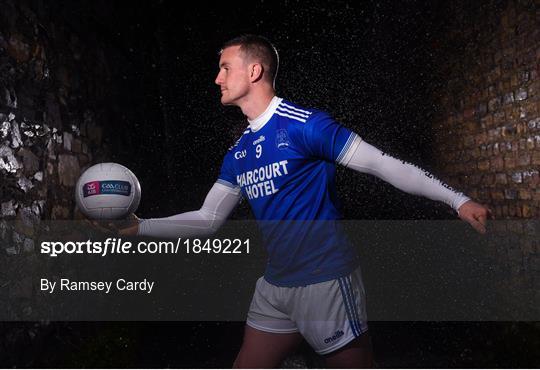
(363, 157)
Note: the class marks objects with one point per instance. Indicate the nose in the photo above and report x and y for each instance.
(218, 79)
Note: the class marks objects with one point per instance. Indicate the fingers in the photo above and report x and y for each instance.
(129, 231)
(478, 220)
(476, 215)
(101, 227)
(132, 217)
(127, 227)
(482, 220)
(478, 225)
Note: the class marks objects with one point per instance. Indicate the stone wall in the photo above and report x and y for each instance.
(488, 130)
(53, 112)
(487, 133)
(52, 87)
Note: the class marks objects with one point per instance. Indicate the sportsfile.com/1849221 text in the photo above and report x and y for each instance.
(118, 246)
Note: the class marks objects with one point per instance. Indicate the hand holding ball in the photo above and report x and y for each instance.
(107, 191)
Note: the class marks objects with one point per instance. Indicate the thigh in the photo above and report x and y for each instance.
(356, 354)
(262, 349)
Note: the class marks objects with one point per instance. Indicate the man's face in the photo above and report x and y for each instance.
(233, 76)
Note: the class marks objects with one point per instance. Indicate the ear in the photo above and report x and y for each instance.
(255, 72)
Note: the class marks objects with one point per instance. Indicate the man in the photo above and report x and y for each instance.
(284, 164)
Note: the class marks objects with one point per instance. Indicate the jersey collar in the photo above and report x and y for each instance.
(257, 123)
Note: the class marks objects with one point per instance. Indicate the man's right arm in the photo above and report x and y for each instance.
(218, 205)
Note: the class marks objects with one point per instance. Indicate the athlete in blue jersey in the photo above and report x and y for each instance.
(284, 165)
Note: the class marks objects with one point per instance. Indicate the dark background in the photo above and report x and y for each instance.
(372, 65)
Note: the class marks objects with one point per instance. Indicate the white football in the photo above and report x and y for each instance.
(107, 191)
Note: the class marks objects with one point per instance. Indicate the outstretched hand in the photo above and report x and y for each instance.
(128, 227)
(475, 214)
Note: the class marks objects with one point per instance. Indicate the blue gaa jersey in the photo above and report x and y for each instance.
(285, 164)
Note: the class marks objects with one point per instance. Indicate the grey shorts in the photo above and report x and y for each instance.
(328, 315)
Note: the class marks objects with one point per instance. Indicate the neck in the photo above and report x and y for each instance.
(261, 120)
(257, 103)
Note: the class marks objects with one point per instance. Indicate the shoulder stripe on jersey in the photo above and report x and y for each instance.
(346, 147)
(296, 109)
(283, 109)
(246, 132)
(289, 116)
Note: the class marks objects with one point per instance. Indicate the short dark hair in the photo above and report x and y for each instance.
(258, 47)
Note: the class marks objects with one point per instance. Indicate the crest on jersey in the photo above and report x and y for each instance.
(282, 139)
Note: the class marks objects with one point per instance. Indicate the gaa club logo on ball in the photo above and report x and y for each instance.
(106, 187)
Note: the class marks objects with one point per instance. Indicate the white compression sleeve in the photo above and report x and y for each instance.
(219, 203)
(364, 157)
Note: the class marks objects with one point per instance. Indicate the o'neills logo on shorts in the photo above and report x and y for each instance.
(115, 187)
(337, 335)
